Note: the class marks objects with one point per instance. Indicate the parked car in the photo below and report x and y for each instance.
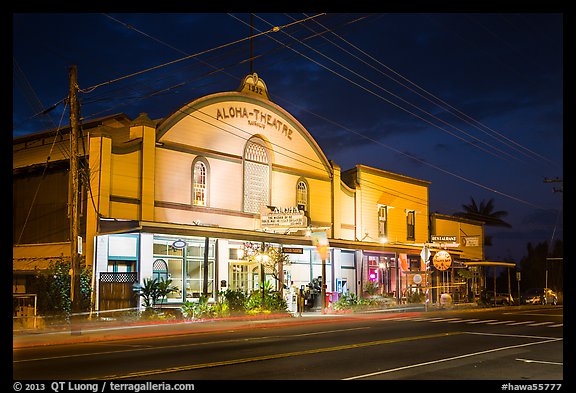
(539, 296)
(501, 298)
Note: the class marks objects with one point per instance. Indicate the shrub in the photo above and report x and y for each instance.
(273, 301)
(200, 309)
(236, 300)
(53, 288)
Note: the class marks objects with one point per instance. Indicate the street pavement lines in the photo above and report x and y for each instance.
(475, 321)
(545, 341)
(191, 367)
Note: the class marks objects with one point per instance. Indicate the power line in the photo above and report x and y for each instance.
(399, 106)
(241, 130)
(272, 30)
(457, 113)
(379, 143)
(424, 162)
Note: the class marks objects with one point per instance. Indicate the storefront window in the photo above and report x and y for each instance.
(239, 277)
(175, 274)
(187, 267)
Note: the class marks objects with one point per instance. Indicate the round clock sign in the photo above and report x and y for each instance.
(442, 260)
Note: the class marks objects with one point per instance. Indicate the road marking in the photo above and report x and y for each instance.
(557, 325)
(499, 322)
(465, 320)
(447, 359)
(540, 362)
(326, 331)
(513, 335)
(520, 323)
(191, 367)
(135, 347)
(482, 321)
(531, 312)
(425, 319)
(540, 323)
(448, 319)
(396, 319)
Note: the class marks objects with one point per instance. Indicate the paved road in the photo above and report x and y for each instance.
(504, 344)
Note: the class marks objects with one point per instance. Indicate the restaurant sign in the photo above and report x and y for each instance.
(443, 239)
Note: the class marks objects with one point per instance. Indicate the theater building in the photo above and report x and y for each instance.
(189, 195)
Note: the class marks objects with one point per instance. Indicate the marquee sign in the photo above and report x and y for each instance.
(284, 217)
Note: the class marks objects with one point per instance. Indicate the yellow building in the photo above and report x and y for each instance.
(187, 196)
(466, 236)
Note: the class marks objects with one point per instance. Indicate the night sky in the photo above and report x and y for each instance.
(472, 102)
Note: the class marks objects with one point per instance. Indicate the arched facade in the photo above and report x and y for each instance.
(233, 171)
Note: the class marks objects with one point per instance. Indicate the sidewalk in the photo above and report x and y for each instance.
(87, 331)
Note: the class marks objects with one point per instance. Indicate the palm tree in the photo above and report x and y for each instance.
(484, 213)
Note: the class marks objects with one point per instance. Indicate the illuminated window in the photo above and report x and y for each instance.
(200, 181)
(302, 195)
(411, 225)
(382, 222)
(256, 176)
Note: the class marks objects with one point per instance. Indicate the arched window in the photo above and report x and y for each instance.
(160, 270)
(200, 182)
(256, 176)
(302, 195)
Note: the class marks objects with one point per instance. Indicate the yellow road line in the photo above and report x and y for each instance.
(272, 356)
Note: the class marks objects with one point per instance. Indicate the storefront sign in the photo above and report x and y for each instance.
(442, 260)
(471, 241)
(179, 243)
(284, 217)
(443, 239)
(292, 250)
(254, 116)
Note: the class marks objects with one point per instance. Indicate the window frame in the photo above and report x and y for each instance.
(411, 225)
(383, 233)
(205, 192)
(306, 196)
(246, 186)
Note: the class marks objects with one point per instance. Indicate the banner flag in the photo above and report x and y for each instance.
(320, 241)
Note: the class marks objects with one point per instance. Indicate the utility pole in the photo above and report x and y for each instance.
(554, 189)
(73, 199)
(251, 43)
